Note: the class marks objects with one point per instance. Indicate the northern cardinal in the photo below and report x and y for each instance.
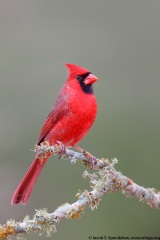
(71, 116)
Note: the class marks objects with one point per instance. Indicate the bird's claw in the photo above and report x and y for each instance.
(62, 148)
(92, 161)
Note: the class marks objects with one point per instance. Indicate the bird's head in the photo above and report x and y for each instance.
(82, 75)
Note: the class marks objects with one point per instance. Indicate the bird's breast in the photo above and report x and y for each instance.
(77, 122)
(83, 112)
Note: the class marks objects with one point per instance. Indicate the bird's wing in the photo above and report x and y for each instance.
(59, 110)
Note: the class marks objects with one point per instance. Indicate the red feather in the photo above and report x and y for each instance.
(71, 116)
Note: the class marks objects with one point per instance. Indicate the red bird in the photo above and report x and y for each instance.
(71, 116)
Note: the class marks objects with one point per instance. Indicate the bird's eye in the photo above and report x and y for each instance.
(78, 77)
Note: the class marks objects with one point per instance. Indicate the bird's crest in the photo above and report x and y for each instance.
(75, 70)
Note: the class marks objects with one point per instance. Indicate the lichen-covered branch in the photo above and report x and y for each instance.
(103, 181)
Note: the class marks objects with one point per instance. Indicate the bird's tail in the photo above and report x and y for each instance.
(23, 191)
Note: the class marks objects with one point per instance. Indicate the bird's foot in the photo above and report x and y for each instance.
(62, 148)
(92, 161)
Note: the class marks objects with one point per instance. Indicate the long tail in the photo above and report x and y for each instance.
(23, 191)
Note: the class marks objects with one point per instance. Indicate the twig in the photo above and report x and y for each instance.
(105, 180)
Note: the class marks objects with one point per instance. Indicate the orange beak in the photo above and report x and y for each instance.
(90, 79)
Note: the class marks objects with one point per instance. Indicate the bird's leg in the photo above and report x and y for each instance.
(79, 149)
(86, 154)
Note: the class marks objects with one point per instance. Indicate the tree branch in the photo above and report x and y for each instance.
(104, 181)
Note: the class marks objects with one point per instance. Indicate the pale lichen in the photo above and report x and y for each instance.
(45, 222)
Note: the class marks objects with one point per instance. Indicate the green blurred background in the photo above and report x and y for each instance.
(119, 41)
